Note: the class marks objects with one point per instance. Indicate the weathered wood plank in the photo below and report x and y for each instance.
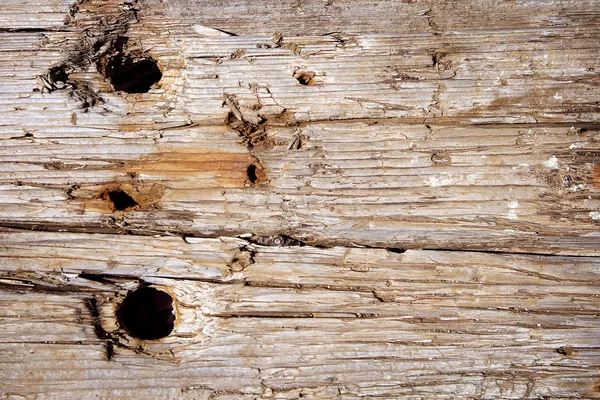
(382, 142)
(429, 188)
(423, 322)
(317, 18)
(281, 140)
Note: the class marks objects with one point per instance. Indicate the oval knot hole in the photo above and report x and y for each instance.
(256, 174)
(132, 75)
(147, 313)
(119, 199)
(252, 174)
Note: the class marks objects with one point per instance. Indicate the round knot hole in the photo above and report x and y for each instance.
(147, 313)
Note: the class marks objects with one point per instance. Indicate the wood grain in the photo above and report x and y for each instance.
(336, 322)
(386, 141)
(347, 199)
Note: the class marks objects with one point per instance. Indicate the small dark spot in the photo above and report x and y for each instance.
(251, 134)
(242, 259)
(304, 77)
(94, 277)
(131, 75)
(69, 191)
(256, 174)
(252, 174)
(109, 350)
(92, 306)
(28, 134)
(119, 199)
(58, 74)
(439, 62)
(441, 158)
(84, 93)
(564, 350)
(277, 240)
(239, 53)
(395, 250)
(147, 313)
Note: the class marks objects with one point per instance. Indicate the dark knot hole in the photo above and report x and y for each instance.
(147, 313)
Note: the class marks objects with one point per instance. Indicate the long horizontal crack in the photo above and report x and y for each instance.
(507, 253)
(280, 240)
(32, 30)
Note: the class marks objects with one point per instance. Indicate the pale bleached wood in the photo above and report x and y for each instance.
(361, 321)
(49, 15)
(305, 18)
(400, 165)
(516, 193)
(429, 126)
(374, 189)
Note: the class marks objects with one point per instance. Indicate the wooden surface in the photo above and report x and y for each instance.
(420, 221)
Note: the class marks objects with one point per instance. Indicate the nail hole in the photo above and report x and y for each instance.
(252, 174)
(119, 199)
(257, 174)
(131, 75)
(58, 75)
(147, 313)
(304, 77)
(565, 351)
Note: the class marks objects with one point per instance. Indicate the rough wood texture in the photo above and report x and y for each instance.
(393, 199)
(336, 322)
